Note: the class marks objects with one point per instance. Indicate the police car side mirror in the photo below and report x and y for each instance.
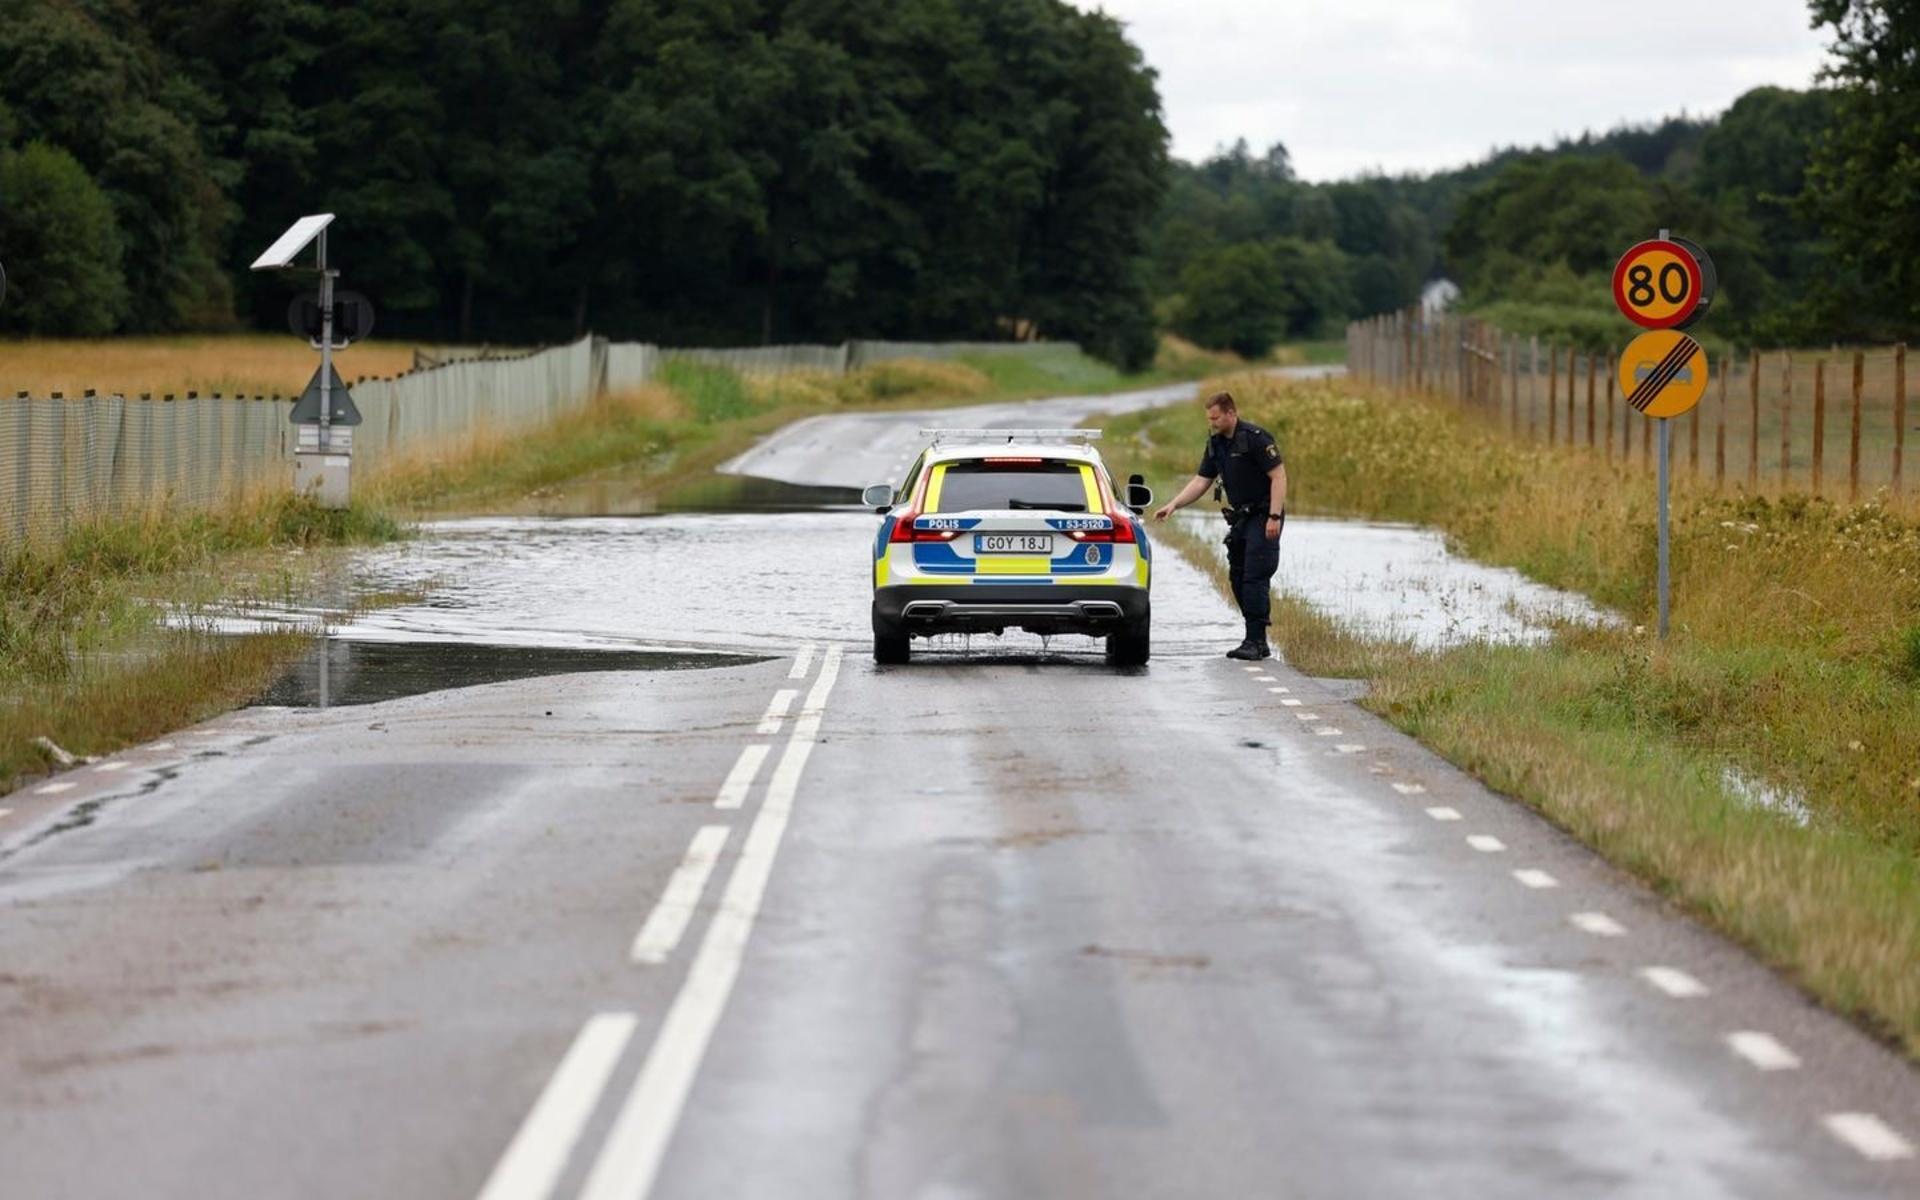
(1139, 495)
(879, 497)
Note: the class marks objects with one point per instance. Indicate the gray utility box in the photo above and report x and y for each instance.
(324, 472)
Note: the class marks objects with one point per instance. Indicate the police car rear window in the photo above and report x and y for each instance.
(992, 485)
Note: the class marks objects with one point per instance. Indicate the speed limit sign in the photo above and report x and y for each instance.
(1659, 284)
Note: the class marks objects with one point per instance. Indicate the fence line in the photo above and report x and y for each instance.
(1837, 421)
(64, 461)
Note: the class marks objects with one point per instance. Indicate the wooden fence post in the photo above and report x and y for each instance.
(1693, 428)
(1753, 432)
(1819, 423)
(1786, 421)
(1513, 380)
(1613, 377)
(1533, 385)
(1853, 450)
(1553, 395)
(1570, 395)
(1720, 430)
(1593, 366)
(1899, 412)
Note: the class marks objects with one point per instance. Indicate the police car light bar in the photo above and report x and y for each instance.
(1010, 436)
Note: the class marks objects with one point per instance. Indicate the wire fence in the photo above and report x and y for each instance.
(1835, 423)
(68, 460)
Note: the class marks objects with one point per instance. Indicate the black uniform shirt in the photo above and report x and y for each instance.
(1243, 461)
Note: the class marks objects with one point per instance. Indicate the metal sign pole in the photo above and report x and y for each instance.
(1666, 445)
(326, 348)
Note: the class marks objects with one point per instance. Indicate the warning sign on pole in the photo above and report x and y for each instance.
(1663, 373)
(1659, 284)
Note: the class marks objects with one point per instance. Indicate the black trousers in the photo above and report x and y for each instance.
(1251, 561)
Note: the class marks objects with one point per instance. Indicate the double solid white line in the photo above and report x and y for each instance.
(630, 1159)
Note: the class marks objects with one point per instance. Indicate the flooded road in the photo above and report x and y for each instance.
(1401, 583)
(669, 891)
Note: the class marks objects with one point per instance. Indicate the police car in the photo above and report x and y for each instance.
(1011, 529)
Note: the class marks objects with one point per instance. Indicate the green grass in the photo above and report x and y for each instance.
(85, 656)
(1793, 659)
(713, 393)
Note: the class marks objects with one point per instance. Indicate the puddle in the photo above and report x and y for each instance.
(1757, 793)
(1400, 582)
(343, 673)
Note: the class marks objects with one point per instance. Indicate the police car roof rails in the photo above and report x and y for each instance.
(1010, 436)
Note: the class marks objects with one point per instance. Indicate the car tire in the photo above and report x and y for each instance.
(890, 642)
(1132, 646)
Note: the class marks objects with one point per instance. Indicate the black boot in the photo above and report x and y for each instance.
(1255, 647)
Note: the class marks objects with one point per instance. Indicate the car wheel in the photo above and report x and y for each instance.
(890, 642)
(892, 648)
(1132, 647)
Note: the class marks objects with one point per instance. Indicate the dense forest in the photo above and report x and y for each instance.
(520, 170)
(741, 171)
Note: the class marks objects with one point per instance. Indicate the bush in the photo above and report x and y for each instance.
(62, 245)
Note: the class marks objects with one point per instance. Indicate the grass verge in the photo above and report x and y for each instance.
(1794, 659)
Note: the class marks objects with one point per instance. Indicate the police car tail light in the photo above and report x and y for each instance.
(1122, 531)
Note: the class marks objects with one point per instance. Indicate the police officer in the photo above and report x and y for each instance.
(1244, 459)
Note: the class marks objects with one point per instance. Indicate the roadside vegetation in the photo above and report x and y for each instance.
(88, 660)
(1794, 664)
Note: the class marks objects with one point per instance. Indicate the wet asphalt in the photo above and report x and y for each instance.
(756, 917)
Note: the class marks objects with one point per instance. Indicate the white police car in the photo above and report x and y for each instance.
(997, 529)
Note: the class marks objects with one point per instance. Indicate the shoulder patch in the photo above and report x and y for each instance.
(1273, 451)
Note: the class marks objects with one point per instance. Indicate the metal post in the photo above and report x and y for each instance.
(326, 348)
(1666, 445)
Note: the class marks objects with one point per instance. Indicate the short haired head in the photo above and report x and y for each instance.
(1224, 402)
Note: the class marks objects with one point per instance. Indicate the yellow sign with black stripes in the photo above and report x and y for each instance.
(1663, 373)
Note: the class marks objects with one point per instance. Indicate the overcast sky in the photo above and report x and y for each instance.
(1419, 85)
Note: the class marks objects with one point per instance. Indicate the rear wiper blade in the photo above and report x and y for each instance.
(1033, 504)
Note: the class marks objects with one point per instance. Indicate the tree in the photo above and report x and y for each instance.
(84, 76)
(61, 246)
(1865, 172)
(1233, 298)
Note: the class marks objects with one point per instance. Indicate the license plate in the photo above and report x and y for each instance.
(1013, 543)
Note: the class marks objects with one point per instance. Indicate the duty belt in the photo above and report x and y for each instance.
(1237, 513)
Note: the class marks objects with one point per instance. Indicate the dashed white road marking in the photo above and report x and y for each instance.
(733, 792)
(1869, 1135)
(1410, 789)
(802, 662)
(1486, 843)
(1278, 691)
(109, 768)
(6, 812)
(161, 746)
(1674, 982)
(538, 1153)
(631, 1157)
(53, 789)
(1291, 703)
(1443, 813)
(777, 710)
(1328, 731)
(1598, 924)
(1763, 1050)
(1307, 716)
(1534, 878)
(1251, 670)
(1263, 679)
(1349, 748)
(668, 921)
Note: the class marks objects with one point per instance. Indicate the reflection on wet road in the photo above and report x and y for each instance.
(340, 673)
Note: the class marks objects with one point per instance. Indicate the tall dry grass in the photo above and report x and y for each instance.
(246, 364)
